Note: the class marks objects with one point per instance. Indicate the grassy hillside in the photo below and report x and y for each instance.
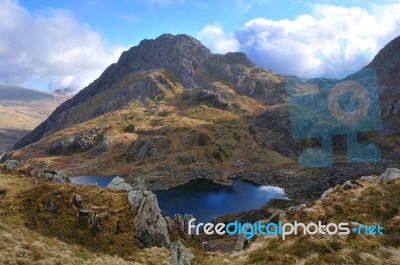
(31, 235)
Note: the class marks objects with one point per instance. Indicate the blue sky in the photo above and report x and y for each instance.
(54, 44)
(127, 22)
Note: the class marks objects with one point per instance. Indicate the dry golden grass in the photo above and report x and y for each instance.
(32, 236)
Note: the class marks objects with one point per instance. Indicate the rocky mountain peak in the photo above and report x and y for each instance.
(388, 57)
(181, 54)
(155, 68)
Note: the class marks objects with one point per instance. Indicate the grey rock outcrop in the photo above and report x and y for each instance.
(77, 143)
(390, 174)
(119, 183)
(241, 243)
(214, 98)
(103, 147)
(180, 255)
(151, 228)
(11, 165)
(136, 182)
(56, 176)
(77, 201)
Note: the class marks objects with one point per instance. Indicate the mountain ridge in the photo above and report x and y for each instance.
(183, 55)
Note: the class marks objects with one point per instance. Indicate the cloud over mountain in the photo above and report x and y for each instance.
(49, 48)
(291, 46)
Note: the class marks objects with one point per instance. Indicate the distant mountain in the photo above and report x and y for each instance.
(21, 110)
(20, 93)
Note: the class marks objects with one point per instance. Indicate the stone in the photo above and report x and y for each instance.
(56, 176)
(137, 183)
(390, 174)
(103, 147)
(11, 165)
(348, 185)
(369, 178)
(206, 246)
(93, 222)
(178, 222)
(77, 201)
(241, 243)
(119, 183)
(151, 228)
(186, 220)
(50, 207)
(180, 255)
(238, 163)
(302, 206)
(116, 228)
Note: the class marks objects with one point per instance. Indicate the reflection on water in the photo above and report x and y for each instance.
(206, 200)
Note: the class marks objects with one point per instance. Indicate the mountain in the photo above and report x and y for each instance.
(180, 58)
(19, 93)
(21, 110)
(170, 110)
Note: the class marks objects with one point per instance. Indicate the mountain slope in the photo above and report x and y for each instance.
(21, 110)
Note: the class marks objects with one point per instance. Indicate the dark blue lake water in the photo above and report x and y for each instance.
(203, 198)
(206, 200)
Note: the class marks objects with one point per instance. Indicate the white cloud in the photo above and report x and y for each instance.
(214, 37)
(51, 46)
(290, 46)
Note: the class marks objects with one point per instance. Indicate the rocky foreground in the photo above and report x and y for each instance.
(45, 220)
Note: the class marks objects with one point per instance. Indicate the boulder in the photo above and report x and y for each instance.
(151, 228)
(241, 243)
(137, 183)
(180, 255)
(119, 183)
(57, 176)
(348, 185)
(77, 201)
(11, 165)
(186, 220)
(178, 222)
(49, 207)
(390, 174)
(93, 222)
